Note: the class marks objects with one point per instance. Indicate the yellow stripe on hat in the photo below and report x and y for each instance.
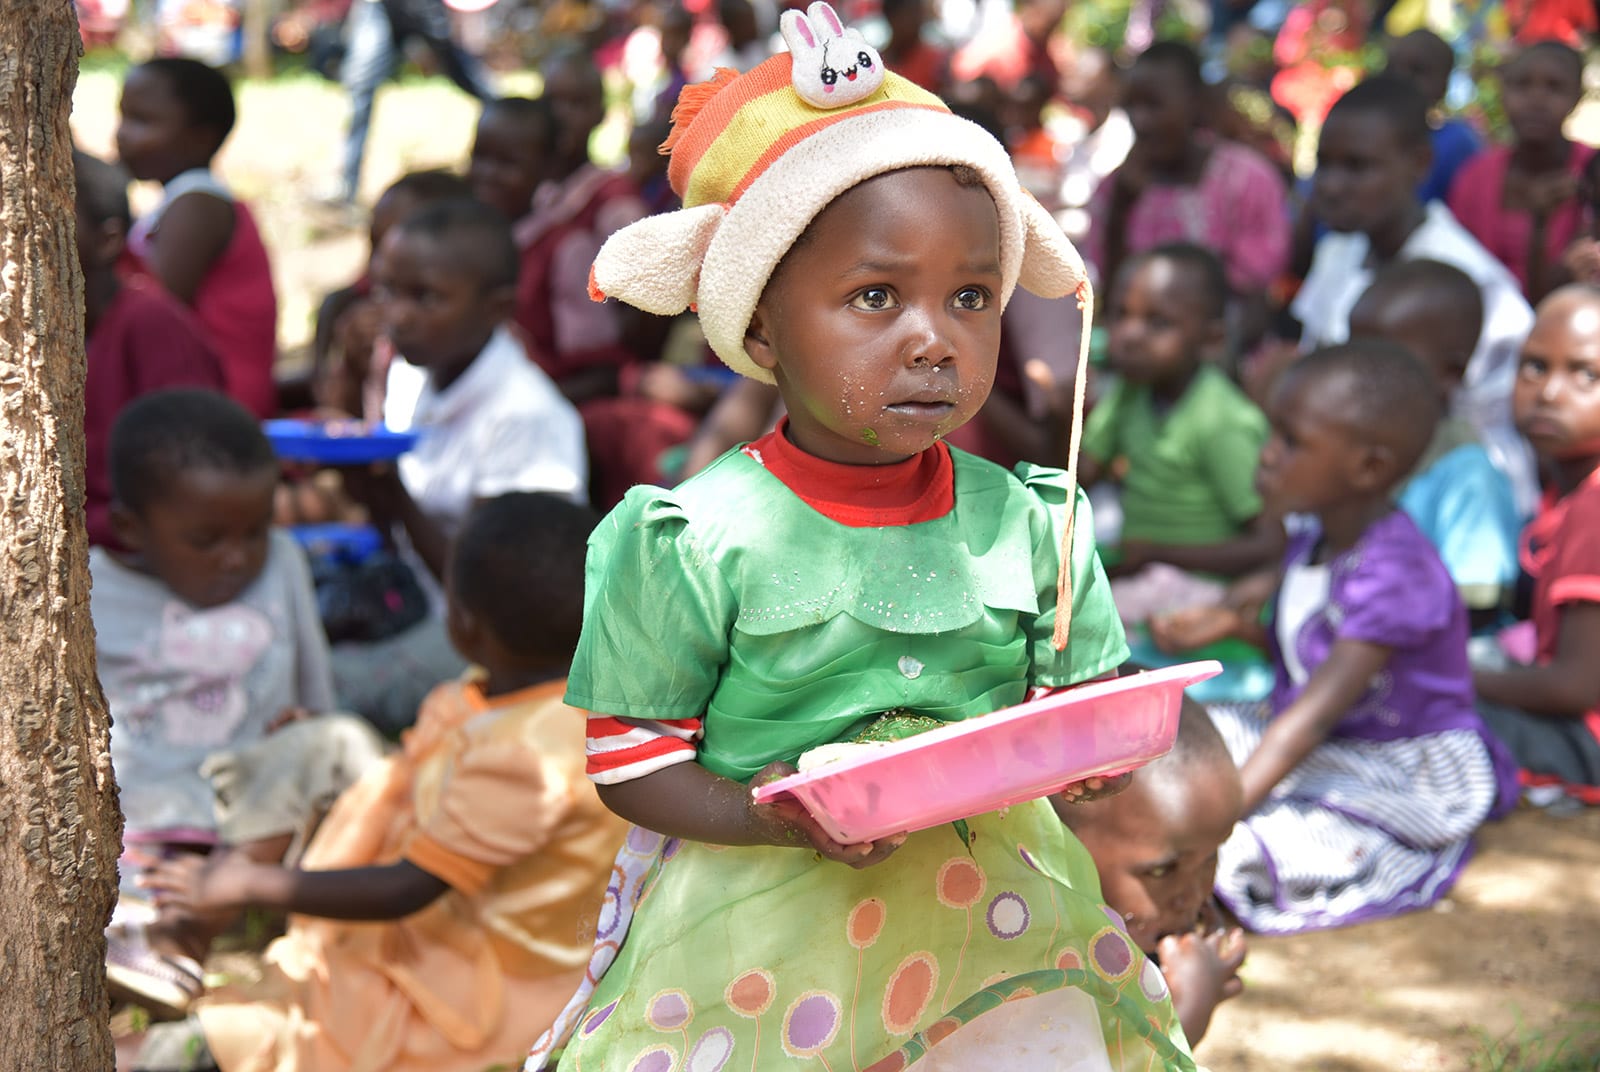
(768, 125)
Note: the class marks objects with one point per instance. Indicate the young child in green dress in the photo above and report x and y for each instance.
(848, 239)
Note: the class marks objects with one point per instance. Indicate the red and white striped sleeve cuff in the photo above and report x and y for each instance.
(622, 749)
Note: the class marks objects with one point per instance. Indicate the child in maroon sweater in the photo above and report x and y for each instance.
(137, 337)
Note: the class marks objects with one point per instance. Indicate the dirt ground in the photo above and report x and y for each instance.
(1502, 977)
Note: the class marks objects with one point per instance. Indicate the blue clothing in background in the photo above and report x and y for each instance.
(1463, 504)
(1454, 143)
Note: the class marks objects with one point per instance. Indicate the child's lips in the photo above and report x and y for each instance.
(1544, 428)
(921, 410)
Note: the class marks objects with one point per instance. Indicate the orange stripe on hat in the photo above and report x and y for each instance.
(695, 128)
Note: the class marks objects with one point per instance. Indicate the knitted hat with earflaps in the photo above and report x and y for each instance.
(755, 158)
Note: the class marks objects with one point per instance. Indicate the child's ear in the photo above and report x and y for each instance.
(127, 527)
(1376, 468)
(756, 343)
(111, 240)
(501, 302)
(1422, 160)
(465, 631)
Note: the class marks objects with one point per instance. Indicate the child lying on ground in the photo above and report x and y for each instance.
(1549, 713)
(1155, 846)
(1369, 770)
(445, 909)
(855, 243)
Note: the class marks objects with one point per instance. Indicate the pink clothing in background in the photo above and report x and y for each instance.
(1476, 199)
(1238, 209)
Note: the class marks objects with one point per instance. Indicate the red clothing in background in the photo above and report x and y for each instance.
(145, 341)
(1562, 554)
(238, 308)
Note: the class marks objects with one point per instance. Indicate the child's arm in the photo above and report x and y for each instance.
(687, 801)
(381, 491)
(1335, 686)
(1260, 544)
(1238, 616)
(193, 232)
(1566, 687)
(228, 880)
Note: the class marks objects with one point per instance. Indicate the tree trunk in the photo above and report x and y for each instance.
(59, 824)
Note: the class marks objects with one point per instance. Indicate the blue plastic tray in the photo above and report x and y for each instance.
(338, 539)
(314, 441)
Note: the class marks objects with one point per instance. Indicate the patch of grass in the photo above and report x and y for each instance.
(1568, 1045)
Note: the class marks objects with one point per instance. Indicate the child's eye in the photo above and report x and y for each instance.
(1158, 871)
(1531, 366)
(873, 298)
(972, 299)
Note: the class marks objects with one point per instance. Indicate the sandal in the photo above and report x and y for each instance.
(165, 984)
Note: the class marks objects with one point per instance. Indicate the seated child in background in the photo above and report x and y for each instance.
(1369, 770)
(1155, 846)
(445, 908)
(742, 619)
(575, 340)
(208, 642)
(1373, 152)
(1548, 713)
(635, 407)
(1180, 184)
(351, 356)
(137, 337)
(1179, 437)
(1426, 60)
(908, 52)
(492, 423)
(200, 242)
(511, 153)
(1459, 500)
(1521, 200)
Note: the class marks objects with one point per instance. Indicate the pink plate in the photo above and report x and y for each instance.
(983, 764)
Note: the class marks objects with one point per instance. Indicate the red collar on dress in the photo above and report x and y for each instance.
(921, 488)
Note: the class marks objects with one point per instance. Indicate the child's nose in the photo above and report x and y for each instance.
(233, 556)
(928, 339)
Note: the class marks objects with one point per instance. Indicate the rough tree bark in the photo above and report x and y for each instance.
(59, 824)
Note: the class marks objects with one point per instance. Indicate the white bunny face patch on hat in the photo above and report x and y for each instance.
(833, 66)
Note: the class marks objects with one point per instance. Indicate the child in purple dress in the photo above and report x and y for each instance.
(1369, 769)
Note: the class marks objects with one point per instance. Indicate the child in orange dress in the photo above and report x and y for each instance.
(445, 909)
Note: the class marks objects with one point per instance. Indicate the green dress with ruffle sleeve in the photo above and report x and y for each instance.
(730, 599)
